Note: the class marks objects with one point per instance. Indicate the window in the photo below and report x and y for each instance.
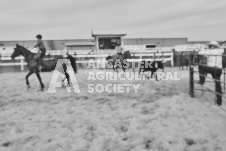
(150, 46)
(109, 43)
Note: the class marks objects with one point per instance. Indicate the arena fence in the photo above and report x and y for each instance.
(193, 71)
(84, 58)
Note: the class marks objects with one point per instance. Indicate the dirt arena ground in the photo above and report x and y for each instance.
(161, 116)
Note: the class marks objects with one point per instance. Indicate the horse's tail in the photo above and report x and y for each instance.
(73, 63)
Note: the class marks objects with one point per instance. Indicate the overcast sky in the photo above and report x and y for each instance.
(66, 19)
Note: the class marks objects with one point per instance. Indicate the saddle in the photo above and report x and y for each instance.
(37, 55)
(119, 54)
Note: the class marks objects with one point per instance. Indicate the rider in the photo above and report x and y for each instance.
(214, 67)
(119, 50)
(41, 46)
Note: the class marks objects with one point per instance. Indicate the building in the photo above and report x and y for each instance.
(105, 40)
(102, 40)
(83, 45)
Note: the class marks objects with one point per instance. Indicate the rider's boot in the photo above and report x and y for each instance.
(41, 65)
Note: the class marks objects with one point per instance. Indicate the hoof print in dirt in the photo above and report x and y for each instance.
(6, 144)
(189, 141)
(148, 144)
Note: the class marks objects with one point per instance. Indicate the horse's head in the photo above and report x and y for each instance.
(127, 55)
(17, 51)
(58, 57)
(108, 57)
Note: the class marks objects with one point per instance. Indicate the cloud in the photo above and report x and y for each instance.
(195, 19)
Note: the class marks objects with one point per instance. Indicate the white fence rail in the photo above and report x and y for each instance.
(84, 58)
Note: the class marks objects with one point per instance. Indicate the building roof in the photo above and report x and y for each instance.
(108, 33)
(79, 44)
(223, 43)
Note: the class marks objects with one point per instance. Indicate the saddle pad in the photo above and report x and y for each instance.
(34, 50)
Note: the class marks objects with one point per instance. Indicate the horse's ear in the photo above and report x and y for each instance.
(17, 45)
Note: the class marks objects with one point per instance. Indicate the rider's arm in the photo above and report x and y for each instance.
(37, 44)
(211, 52)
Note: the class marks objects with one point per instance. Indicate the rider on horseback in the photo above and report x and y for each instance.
(119, 50)
(41, 47)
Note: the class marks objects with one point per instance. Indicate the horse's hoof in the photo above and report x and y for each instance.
(28, 86)
(42, 89)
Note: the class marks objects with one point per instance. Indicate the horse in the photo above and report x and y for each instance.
(119, 58)
(151, 66)
(182, 59)
(32, 63)
(49, 65)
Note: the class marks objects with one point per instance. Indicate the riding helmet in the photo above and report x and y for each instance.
(39, 36)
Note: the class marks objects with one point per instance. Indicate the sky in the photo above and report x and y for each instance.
(74, 19)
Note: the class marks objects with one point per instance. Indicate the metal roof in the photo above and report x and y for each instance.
(79, 44)
(108, 33)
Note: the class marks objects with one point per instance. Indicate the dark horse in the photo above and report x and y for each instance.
(32, 63)
(151, 66)
(183, 60)
(119, 61)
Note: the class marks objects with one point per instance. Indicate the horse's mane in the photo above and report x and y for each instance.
(19, 46)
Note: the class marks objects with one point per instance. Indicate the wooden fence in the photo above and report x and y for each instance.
(137, 56)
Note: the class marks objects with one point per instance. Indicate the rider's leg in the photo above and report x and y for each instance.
(202, 73)
(40, 59)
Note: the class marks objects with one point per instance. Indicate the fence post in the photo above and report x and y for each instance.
(172, 62)
(13, 65)
(22, 64)
(134, 63)
(191, 77)
(140, 56)
(224, 79)
(1, 63)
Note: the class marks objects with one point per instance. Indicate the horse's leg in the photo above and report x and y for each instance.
(140, 70)
(62, 82)
(152, 74)
(116, 68)
(147, 75)
(40, 80)
(156, 77)
(27, 82)
(123, 68)
(113, 68)
(68, 79)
